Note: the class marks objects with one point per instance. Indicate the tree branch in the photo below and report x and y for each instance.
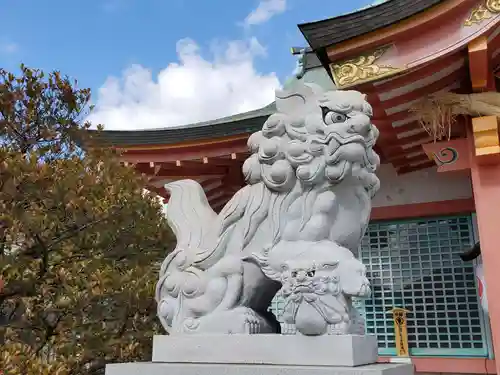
(50, 331)
(122, 329)
(71, 232)
(45, 256)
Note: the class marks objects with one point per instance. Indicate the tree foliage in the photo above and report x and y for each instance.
(80, 240)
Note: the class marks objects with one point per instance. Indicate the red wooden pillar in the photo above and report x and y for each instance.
(485, 176)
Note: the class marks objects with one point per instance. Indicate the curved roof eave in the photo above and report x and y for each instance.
(327, 32)
(242, 123)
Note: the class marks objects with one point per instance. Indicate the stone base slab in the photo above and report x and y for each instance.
(238, 369)
(272, 349)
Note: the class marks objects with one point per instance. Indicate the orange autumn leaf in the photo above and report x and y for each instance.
(80, 244)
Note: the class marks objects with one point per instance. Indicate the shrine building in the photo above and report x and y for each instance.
(440, 183)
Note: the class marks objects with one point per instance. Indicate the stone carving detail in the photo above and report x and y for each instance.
(361, 69)
(300, 69)
(318, 281)
(294, 229)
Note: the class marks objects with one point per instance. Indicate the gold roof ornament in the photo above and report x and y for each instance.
(483, 12)
(361, 69)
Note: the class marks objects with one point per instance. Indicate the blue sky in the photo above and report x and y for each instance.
(236, 54)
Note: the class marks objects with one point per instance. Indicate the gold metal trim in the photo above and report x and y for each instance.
(363, 68)
(486, 138)
(493, 6)
(483, 12)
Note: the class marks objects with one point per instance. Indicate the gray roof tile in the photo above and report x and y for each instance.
(242, 123)
(324, 33)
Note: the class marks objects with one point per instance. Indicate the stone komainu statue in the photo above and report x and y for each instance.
(294, 229)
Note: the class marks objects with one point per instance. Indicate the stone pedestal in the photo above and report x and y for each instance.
(232, 369)
(262, 354)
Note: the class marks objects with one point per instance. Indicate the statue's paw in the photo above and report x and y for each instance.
(342, 328)
(241, 320)
(248, 321)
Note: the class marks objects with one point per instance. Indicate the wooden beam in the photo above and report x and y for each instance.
(235, 176)
(219, 142)
(210, 182)
(424, 91)
(402, 162)
(183, 164)
(215, 194)
(216, 186)
(225, 162)
(186, 153)
(397, 152)
(407, 211)
(381, 123)
(396, 136)
(413, 168)
(479, 70)
(218, 202)
(415, 75)
(486, 139)
(203, 163)
(391, 144)
(185, 172)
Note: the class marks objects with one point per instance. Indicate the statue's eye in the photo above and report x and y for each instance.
(311, 273)
(331, 117)
(294, 273)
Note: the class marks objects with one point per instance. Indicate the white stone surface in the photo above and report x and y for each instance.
(238, 369)
(294, 229)
(326, 350)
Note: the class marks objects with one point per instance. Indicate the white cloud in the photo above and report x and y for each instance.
(8, 47)
(265, 11)
(192, 90)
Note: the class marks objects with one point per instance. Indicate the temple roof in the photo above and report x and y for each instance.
(241, 123)
(324, 33)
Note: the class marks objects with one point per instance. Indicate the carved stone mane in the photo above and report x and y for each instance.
(311, 177)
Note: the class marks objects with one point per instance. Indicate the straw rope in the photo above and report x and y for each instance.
(438, 112)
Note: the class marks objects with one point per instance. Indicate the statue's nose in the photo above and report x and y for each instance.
(301, 276)
(362, 124)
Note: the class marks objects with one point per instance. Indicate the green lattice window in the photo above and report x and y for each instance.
(415, 264)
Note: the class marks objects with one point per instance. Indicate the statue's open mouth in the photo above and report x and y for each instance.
(302, 288)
